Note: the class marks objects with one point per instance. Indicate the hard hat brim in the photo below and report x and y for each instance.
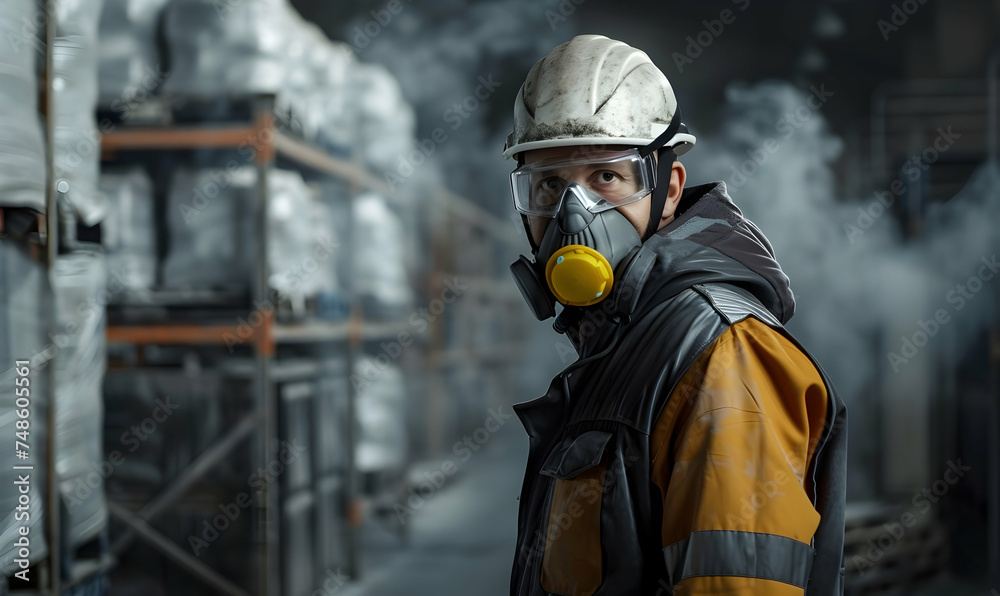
(681, 142)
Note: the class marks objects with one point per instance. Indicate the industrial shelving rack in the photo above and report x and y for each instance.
(264, 338)
(268, 142)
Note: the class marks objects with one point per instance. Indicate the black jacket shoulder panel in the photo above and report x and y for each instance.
(735, 303)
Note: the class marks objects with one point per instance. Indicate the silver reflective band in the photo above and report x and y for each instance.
(739, 554)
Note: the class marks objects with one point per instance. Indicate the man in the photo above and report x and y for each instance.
(695, 447)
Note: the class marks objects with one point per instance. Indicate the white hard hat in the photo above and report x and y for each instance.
(593, 90)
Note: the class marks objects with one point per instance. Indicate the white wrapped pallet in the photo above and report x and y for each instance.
(379, 255)
(301, 238)
(210, 228)
(386, 122)
(129, 58)
(128, 233)
(228, 48)
(211, 231)
(382, 441)
(330, 113)
(22, 150)
(79, 286)
(23, 309)
(261, 46)
(74, 86)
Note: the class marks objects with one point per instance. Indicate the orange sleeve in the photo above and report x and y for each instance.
(731, 451)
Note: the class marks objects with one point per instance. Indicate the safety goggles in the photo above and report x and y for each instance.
(614, 178)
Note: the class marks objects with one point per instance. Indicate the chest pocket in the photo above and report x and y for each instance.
(571, 564)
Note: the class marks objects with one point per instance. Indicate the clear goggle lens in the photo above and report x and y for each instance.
(617, 177)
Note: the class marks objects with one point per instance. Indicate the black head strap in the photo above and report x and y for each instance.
(663, 171)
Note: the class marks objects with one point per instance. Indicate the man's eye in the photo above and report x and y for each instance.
(607, 176)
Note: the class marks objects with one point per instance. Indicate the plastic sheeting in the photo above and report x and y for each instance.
(22, 148)
(219, 48)
(129, 59)
(210, 216)
(379, 256)
(301, 239)
(22, 336)
(210, 228)
(264, 46)
(381, 416)
(327, 111)
(80, 282)
(74, 85)
(386, 123)
(128, 233)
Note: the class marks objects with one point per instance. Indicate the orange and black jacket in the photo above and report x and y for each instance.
(695, 447)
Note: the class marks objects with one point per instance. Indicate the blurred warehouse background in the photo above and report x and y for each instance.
(255, 253)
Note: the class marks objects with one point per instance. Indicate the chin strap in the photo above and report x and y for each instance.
(661, 184)
(527, 232)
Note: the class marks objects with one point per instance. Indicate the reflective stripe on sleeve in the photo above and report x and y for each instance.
(742, 554)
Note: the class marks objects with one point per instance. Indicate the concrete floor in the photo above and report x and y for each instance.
(461, 541)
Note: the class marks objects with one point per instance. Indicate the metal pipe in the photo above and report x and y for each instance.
(992, 105)
(880, 96)
(205, 462)
(268, 526)
(53, 499)
(174, 552)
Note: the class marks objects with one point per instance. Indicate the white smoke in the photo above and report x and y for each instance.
(856, 289)
(460, 64)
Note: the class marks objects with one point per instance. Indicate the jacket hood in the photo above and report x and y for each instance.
(709, 241)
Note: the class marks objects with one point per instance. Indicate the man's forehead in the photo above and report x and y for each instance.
(573, 152)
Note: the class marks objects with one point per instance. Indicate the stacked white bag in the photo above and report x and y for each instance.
(74, 86)
(22, 149)
(128, 233)
(210, 214)
(79, 283)
(130, 65)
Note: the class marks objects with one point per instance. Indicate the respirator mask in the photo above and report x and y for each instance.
(587, 243)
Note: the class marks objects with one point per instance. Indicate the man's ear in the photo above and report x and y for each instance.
(678, 175)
